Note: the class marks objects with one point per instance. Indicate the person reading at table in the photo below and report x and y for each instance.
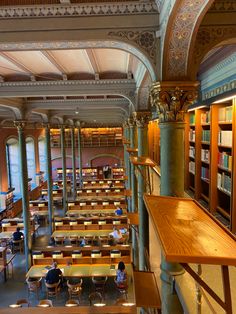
(54, 274)
(121, 275)
(17, 235)
(119, 211)
(117, 236)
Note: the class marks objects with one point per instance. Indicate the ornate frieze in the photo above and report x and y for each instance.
(73, 10)
(172, 101)
(228, 86)
(20, 125)
(144, 39)
(210, 36)
(223, 5)
(142, 118)
(180, 36)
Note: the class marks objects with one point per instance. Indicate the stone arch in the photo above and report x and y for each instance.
(104, 156)
(184, 22)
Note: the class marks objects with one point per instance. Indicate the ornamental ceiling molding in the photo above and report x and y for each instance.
(207, 38)
(219, 90)
(223, 6)
(145, 39)
(178, 39)
(111, 44)
(73, 10)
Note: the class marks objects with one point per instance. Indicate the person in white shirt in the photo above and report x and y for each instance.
(117, 236)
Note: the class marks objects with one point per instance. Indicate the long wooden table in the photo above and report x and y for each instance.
(189, 234)
(85, 270)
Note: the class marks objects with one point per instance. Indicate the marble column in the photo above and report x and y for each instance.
(20, 125)
(80, 157)
(49, 177)
(171, 100)
(142, 119)
(73, 160)
(63, 157)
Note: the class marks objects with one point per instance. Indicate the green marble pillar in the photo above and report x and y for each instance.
(171, 100)
(126, 155)
(80, 157)
(63, 157)
(73, 161)
(49, 177)
(24, 192)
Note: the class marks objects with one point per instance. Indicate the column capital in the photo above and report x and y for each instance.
(126, 124)
(131, 122)
(173, 98)
(46, 125)
(141, 118)
(20, 124)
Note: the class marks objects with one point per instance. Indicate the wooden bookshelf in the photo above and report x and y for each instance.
(210, 149)
(6, 203)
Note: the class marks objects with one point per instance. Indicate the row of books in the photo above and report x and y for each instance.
(205, 117)
(225, 160)
(192, 135)
(192, 151)
(206, 135)
(224, 182)
(191, 167)
(225, 114)
(205, 155)
(205, 173)
(225, 138)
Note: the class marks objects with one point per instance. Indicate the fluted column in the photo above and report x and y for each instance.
(126, 155)
(73, 160)
(142, 119)
(171, 100)
(80, 157)
(49, 177)
(20, 125)
(63, 157)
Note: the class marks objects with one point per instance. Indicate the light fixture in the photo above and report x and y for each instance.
(197, 107)
(224, 99)
(128, 304)
(77, 111)
(99, 304)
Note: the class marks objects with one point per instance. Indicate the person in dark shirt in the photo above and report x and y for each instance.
(54, 274)
(17, 235)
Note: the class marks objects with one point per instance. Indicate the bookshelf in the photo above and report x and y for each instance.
(89, 173)
(6, 203)
(210, 144)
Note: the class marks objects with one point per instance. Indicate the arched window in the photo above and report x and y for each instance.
(13, 165)
(30, 152)
(42, 154)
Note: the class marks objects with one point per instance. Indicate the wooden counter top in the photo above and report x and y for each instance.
(142, 161)
(188, 234)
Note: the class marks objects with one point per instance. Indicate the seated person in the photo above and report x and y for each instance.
(55, 187)
(121, 274)
(119, 211)
(117, 236)
(17, 235)
(54, 274)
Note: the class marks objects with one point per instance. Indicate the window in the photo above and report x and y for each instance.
(31, 160)
(13, 167)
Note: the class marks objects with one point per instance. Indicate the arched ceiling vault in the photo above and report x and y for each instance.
(56, 63)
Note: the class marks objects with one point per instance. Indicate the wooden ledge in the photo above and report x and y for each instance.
(133, 218)
(146, 290)
(142, 161)
(131, 150)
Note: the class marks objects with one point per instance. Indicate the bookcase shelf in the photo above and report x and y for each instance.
(211, 174)
(6, 203)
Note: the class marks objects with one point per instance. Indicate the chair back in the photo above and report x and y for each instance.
(52, 288)
(22, 302)
(94, 297)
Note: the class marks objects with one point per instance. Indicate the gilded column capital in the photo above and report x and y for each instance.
(131, 122)
(126, 124)
(142, 118)
(46, 125)
(172, 99)
(20, 124)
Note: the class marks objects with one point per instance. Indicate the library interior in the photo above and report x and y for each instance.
(118, 163)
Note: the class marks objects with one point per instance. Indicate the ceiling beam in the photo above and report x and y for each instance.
(121, 87)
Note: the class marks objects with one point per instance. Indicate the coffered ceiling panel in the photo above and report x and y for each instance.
(111, 59)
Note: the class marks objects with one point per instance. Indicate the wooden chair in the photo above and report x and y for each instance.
(72, 303)
(94, 297)
(122, 287)
(45, 303)
(74, 289)
(73, 240)
(99, 284)
(34, 285)
(18, 245)
(52, 289)
(23, 302)
(59, 240)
